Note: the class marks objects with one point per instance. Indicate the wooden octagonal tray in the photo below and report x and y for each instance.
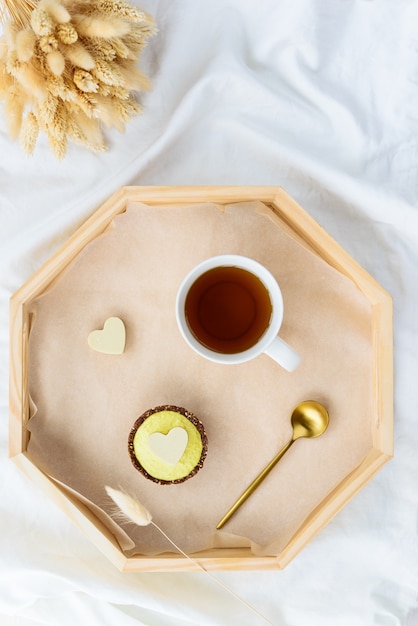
(71, 409)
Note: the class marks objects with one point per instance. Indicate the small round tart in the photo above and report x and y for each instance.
(168, 444)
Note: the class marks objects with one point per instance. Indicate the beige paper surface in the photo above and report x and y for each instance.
(87, 402)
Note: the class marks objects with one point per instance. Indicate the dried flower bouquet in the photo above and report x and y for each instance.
(67, 67)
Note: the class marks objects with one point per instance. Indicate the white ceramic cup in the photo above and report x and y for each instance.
(269, 342)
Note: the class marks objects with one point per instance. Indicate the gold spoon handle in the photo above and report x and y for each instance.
(253, 486)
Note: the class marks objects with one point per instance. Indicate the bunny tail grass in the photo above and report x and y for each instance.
(135, 512)
(132, 509)
(78, 56)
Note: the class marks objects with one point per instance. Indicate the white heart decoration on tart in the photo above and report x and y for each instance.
(110, 340)
(170, 447)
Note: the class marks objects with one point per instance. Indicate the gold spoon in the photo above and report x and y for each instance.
(309, 419)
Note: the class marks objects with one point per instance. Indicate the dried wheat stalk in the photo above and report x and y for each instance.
(69, 67)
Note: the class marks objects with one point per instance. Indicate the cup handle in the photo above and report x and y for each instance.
(283, 354)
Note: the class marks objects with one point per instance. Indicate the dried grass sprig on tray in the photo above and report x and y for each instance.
(131, 510)
(69, 67)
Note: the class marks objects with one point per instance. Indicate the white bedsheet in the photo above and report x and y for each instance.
(320, 97)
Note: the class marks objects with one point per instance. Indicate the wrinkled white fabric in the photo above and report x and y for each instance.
(322, 99)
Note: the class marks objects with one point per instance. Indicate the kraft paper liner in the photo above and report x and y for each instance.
(87, 402)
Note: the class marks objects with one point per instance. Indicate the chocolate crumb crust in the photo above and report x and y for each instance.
(188, 415)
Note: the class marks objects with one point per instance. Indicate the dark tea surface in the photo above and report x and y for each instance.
(228, 309)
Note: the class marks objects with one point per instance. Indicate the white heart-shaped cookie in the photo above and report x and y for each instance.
(110, 340)
(170, 447)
